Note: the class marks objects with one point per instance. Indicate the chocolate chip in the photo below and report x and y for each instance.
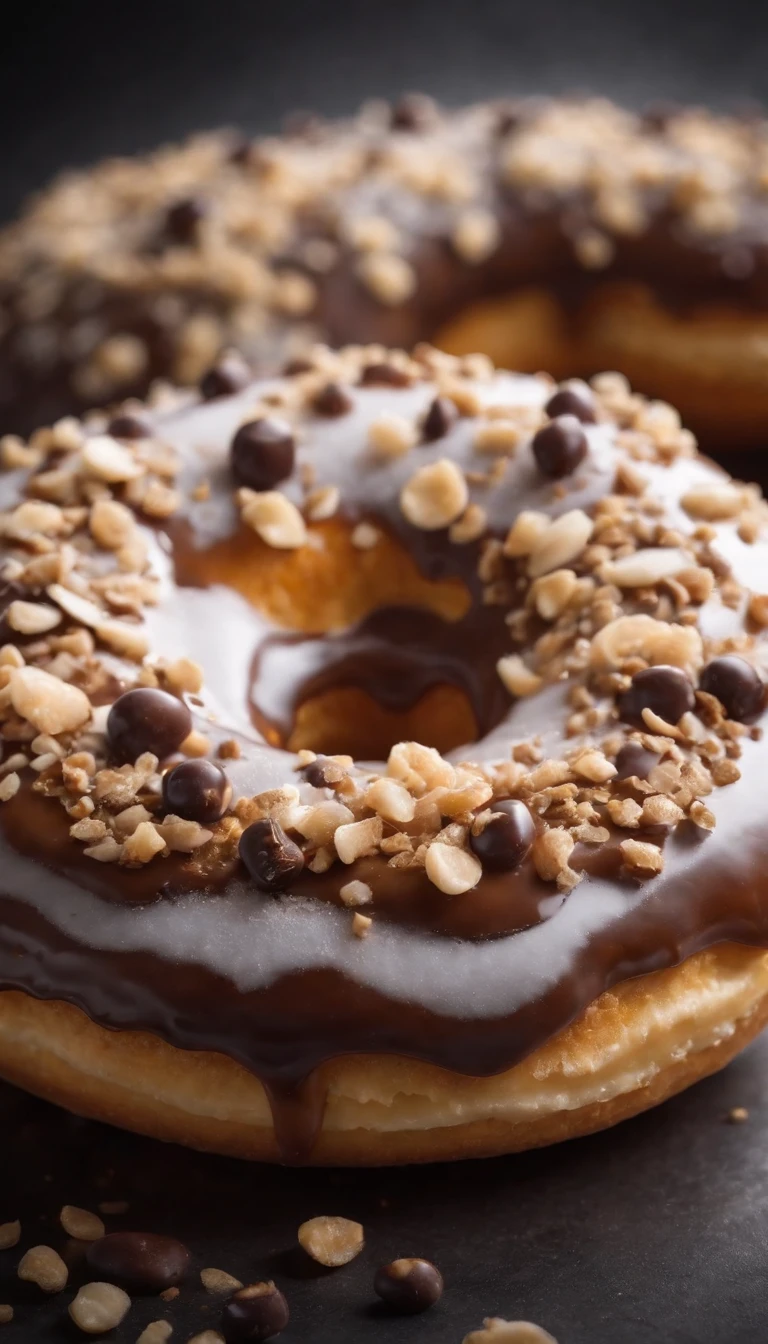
(323, 772)
(230, 374)
(509, 116)
(240, 150)
(293, 367)
(634, 759)
(263, 453)
(440, 418)
(254, 1313)
(657, 116)
(332, 400)
(409, 1286)
(560, 446)
(414, 112)
(505, 841)
(182, 223)
(197, 790)
(384, 375)
(574, 398)
(737, 686)
(129, 425)
(146, 719)
(270, 857)
(143, 1261)
(666, 691)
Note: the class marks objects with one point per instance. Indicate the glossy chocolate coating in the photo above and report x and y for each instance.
(146, 719)
(144, 1262)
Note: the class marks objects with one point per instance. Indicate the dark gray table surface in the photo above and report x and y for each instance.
(653, 1231)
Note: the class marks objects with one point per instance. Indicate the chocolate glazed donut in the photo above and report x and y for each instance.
(405, 803)
(571, 235)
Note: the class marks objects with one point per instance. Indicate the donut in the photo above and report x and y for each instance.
(382, 761)
(562, 234)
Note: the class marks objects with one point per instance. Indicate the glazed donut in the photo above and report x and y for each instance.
(570, 235)
(382, 761)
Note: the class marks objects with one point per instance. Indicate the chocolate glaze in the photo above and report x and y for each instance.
(471, 983)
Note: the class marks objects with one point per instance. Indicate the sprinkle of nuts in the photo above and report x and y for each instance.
(331, 1241)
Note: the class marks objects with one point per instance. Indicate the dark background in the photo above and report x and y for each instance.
(79, 79)
(653, 1232)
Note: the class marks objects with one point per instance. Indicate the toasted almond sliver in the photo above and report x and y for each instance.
(81, 1224)
(646, 567)
(103, 457)
(32, 618)
(714, 503)
(560, 543)
(79, 608)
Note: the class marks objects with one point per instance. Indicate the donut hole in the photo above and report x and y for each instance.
(381, 685)
(350, 721)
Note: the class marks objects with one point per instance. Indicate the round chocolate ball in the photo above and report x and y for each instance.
(129, 425)
(666, 691)
(574, 398)
(271, 857)
(633, 759)
(440, 418)
(332, 400)
(184, 218)
(256, 1312)
(197, 790)
(230, 374)
(414, 112)
(505, 841)
(409, 1286)
(560, 446)
(142, 1261)
(737, 685)
(146, 719)
(263, 453)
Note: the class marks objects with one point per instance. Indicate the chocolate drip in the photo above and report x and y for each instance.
(285, 1030)
(396, 655)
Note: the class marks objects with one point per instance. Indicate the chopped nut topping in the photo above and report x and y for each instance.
(45, 1267)
(218, 1282)
(560, 543)
(357, 838)
(392, 436)
(361, 925)
(356, 893)
(10, 1235)
(642, 857)
(331, 1241)
(277, 521)
(157, 1332)
(435, 496)
(50, 705)
(99, 1307)
(81, 1224)
(452, 870)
